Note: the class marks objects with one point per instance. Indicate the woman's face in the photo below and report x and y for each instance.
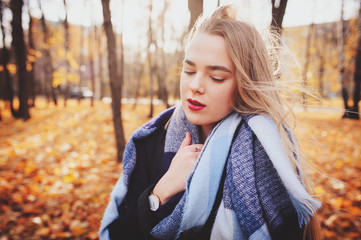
(207, 81)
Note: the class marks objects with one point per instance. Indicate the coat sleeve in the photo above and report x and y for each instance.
(135, 219)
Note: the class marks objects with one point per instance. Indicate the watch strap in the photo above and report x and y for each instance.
(154, 202)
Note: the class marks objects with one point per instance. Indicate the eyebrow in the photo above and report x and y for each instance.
(216, 67)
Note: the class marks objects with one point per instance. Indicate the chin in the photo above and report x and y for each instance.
(195, 118)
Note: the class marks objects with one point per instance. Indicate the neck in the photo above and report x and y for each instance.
(204, 130)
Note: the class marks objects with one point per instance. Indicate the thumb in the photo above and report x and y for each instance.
(186, 141)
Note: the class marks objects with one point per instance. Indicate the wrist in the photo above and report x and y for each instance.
(161, 190)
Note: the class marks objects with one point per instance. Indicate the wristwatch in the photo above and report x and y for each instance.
(154, 202)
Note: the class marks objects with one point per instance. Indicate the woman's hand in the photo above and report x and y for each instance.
(174, 180)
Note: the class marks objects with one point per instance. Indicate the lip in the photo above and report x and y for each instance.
(194, 105)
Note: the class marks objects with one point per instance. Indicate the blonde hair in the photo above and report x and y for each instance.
(257, 88)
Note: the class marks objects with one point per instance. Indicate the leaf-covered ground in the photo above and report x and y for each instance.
(58, 169)
(334, 146)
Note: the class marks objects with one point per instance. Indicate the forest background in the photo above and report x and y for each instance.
(72, 92)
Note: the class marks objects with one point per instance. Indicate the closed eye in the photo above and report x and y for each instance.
(188, 72)
(218, 79)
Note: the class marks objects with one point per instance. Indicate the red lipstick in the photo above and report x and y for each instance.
(194, 105)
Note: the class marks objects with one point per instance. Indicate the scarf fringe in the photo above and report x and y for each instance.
(305, 209)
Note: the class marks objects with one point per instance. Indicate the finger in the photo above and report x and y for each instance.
(197, 147)
(186, 141)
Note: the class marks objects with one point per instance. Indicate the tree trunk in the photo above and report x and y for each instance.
(66, 49)
(162, 90)
(5, 60)
(321, 53)
(32, 63)
(100, 60)
(278, 12)
(151, 93)
(82, 66)
(355, 113)
(116, 86)
(9, 92)
(121, 68)
(321, 71)
(138, 75)
(91, 60)
(344, 92)
(307, 62)
(49, 69)
(162, 69)
(150, 60)
(19, 47)
(195, 8)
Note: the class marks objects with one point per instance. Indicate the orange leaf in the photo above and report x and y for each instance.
(337, 203)
(93, 235)
(319, 190)
(68, 179)
(44, 232)
(78, 230)
(61, 235)
(356, 210)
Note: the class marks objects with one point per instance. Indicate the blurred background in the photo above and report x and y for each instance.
(78, 77)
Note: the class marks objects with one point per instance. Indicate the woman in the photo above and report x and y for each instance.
(222, 165)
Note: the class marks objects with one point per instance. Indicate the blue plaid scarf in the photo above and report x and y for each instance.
(260, 182)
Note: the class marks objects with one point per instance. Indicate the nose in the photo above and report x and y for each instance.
(196, 84)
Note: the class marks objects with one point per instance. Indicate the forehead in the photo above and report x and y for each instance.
(206, 49)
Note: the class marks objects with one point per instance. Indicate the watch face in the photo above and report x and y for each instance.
(153, 202)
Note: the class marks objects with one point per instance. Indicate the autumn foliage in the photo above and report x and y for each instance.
(334, 146)
(58, 168)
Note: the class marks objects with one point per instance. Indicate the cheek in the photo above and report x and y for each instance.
(232, 96)
(231, 104)
(184, 83)
(183, 88)
(228, 102)
(228, 96)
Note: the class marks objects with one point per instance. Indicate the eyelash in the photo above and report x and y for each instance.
(218, 79)
(188, 72)
(213, 78)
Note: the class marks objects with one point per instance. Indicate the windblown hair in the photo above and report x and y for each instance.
(258, 89)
